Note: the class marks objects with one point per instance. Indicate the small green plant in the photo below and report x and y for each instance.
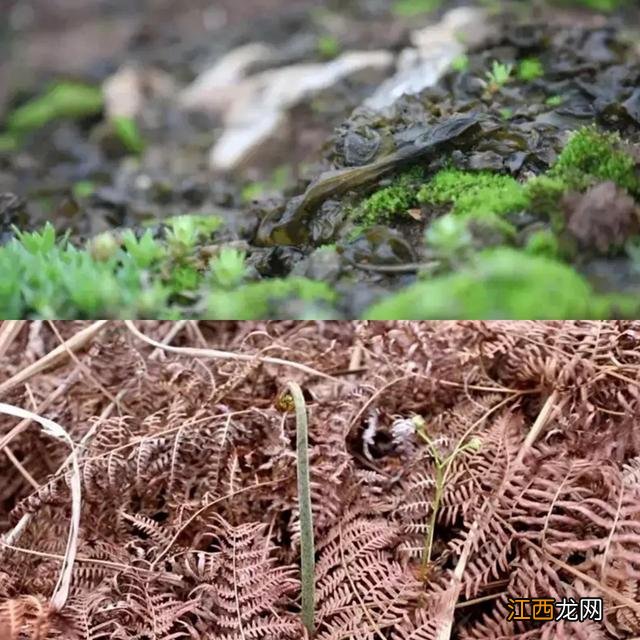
(229, 269)
(145, 251)
(530, 69)
(83, 189)
(413, 8)
(442, 465)
(183, 232)
(62, 100)
(129, 134)
(499, 75)
(258, 300)
(461, 63)
(554, 101)
(328, 47)
(38, 242)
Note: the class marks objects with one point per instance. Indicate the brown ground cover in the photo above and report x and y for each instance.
(453, 465)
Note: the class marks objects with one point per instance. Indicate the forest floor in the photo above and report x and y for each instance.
(271, 159)
(453, 467)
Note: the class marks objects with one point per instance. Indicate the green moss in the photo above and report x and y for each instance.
(479, 202)
(605, 6)
(474, 194)
(591, 156)
(461, 63)
(262, 299)
(413, 8)
(392, 201)
(543, 243)
(545, 198)
(500, 283)
(62, 100)
(328, 47)
(554, 101)
(530, 69)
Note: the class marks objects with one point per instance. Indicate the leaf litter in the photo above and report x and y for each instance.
(534, 94)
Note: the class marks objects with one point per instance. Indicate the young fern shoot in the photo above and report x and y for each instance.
(442, 465)
(307, 548)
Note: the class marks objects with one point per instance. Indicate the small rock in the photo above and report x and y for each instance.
(213, 89)
(602, 218)
(379, 246)
(361, 146)
(126, 92)
(12, 212)
(322, 265)
(435, 48)
(632, 106)
(123, 93)
(254, 108)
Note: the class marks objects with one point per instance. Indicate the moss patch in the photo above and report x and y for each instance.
(258, 300)
(392, 201)
(501, 283)
(530, 69)
(474, 193)
(591, 156)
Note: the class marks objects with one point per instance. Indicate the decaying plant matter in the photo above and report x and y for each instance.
(453, 465)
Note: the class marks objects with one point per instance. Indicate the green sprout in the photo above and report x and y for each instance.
(229, 268)
(413, 8)
(443, 464)
(554, 101)
(461, 63)
(499, 75)
(530, 69)
(328, 47)
(129, 134)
